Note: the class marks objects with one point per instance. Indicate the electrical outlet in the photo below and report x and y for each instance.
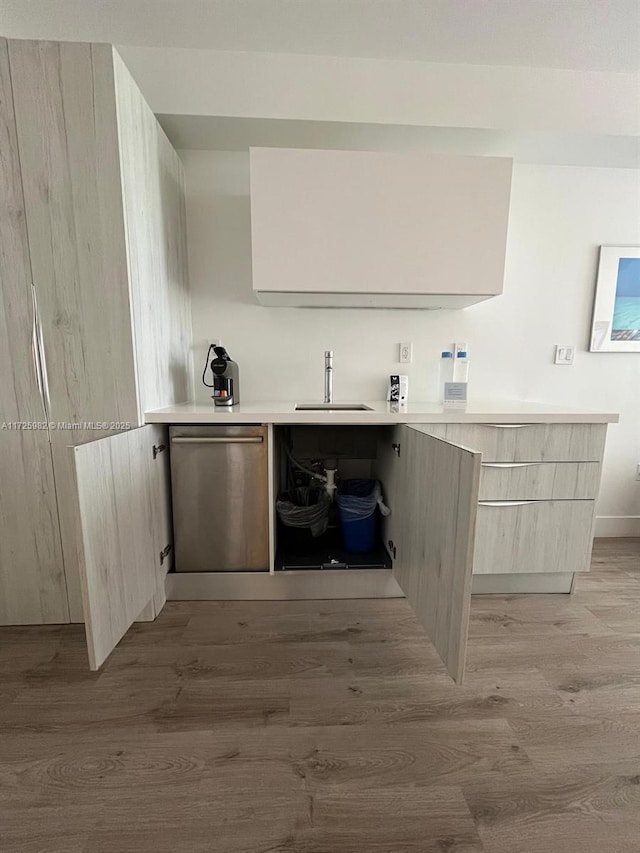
(406, 353)
(564, 354)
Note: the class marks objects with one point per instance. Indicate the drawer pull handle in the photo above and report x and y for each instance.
(237, 439)
(510, 464)
(506, 503)
(509, 426)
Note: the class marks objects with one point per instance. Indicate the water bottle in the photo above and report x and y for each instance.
(461, 366)
(445, 373)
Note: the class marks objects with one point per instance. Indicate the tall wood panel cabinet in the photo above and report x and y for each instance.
(95, 293)
(32, 581)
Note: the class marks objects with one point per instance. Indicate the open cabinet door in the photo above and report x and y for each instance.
(121, 495)
(437, 484)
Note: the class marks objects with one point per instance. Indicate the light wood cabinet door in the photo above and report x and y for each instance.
(68, 145)
(439, 484)
(121, 501)
(32, 584)
(67, 139)
(515, 537)
(552, 442)
(532, 481)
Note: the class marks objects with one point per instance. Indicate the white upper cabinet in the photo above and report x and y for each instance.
(377, 229)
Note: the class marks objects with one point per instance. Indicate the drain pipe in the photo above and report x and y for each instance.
(330, 469)
(328, 478)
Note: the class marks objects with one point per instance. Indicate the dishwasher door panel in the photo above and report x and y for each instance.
(219, 485)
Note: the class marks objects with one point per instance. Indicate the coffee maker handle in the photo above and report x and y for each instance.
(206, 364)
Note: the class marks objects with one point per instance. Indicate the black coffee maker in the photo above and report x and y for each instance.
(226, 387)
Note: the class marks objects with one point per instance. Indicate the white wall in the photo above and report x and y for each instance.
(559, 216)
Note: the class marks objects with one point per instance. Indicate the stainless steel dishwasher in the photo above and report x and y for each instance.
(220, 494)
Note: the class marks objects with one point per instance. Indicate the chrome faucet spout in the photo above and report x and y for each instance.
(328, 376)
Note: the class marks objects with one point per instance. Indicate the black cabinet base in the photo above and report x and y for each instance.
(328, 552)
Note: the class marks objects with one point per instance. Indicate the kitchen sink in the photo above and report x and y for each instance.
(332, 407)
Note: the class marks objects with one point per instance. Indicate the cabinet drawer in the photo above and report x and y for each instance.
(533, 536)
(530, 481)
(527, 442)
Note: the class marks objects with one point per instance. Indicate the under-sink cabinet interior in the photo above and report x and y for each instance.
(302, 456)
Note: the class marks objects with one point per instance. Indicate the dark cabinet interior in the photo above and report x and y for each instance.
(313, 463)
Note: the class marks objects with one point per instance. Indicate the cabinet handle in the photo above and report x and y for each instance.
(37, 351)
(509, 426)
(239, 439)
(507, 503)
(510, 464)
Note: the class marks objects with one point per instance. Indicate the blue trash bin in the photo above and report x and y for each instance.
(357, 501)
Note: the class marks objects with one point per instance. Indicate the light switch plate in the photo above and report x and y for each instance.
(406, 353)
(565, 354)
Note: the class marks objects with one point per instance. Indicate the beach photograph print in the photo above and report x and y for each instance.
(616, 310)
(626, 308)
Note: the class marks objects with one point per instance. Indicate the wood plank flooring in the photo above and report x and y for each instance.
(332, 727)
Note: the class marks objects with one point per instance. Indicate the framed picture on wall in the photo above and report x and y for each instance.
(616, 312)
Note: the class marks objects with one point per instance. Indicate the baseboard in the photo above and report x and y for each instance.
(516, 584)
(613, 526)
(282, 586)
(328, 584)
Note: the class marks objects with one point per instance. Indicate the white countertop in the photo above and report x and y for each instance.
(508, 411)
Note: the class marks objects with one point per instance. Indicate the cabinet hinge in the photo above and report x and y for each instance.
(392, 548)
(396, 447)
(158, 448)
(165, 553)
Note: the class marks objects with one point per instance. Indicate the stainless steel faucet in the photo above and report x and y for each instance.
(328, 376)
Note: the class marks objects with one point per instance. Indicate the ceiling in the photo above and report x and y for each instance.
(588, 35)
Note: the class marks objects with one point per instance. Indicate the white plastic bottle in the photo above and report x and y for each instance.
(445, 373)
(461, 366)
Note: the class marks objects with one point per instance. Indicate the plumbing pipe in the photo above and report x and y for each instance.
(330, 481)
(303, 468)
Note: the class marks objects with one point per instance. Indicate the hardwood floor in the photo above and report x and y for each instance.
(331, 727)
